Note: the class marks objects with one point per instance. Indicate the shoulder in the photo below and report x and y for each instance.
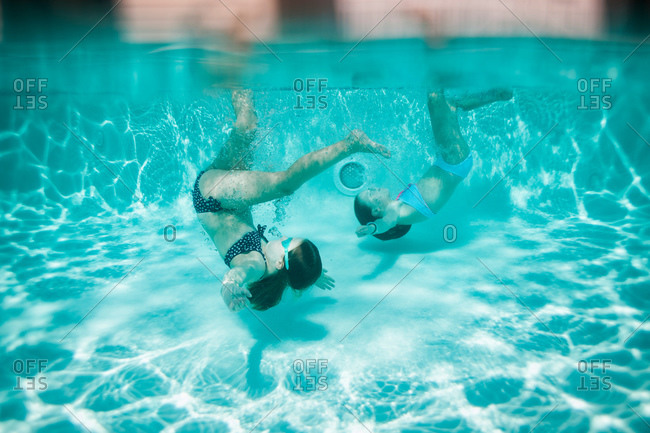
(404, 213)
(394, 211)
(252, 260)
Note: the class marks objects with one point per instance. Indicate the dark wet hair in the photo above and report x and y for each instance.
(305, 267)
(365, 216)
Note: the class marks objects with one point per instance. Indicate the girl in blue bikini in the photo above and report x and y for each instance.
(260, 270)
(385, 218)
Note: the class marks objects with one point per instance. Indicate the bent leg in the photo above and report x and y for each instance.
(444, 121)
(236, 153)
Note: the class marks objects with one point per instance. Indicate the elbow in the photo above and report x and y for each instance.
(285, 185)
(286, 190)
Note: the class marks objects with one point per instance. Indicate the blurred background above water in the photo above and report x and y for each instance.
(245, 21)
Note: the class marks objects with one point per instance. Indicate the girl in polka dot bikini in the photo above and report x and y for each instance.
(260, 270)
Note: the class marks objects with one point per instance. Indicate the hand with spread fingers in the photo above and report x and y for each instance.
(234, 295)
(325, 282)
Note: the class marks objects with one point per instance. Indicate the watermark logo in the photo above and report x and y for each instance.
(593, 94)
(27, 373)
(310, 374)
(169, 233)
(309, 93)
(30, 93)
(449, 233)
(594, 375)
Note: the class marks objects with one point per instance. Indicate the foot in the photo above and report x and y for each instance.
(359, 142)
(470, 102)
(242, 102)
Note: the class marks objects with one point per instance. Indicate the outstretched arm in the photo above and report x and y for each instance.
(318, 161)
(241, 189)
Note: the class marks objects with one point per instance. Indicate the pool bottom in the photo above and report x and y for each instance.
(490, 333)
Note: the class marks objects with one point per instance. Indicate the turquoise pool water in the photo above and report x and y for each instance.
(533, 318)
